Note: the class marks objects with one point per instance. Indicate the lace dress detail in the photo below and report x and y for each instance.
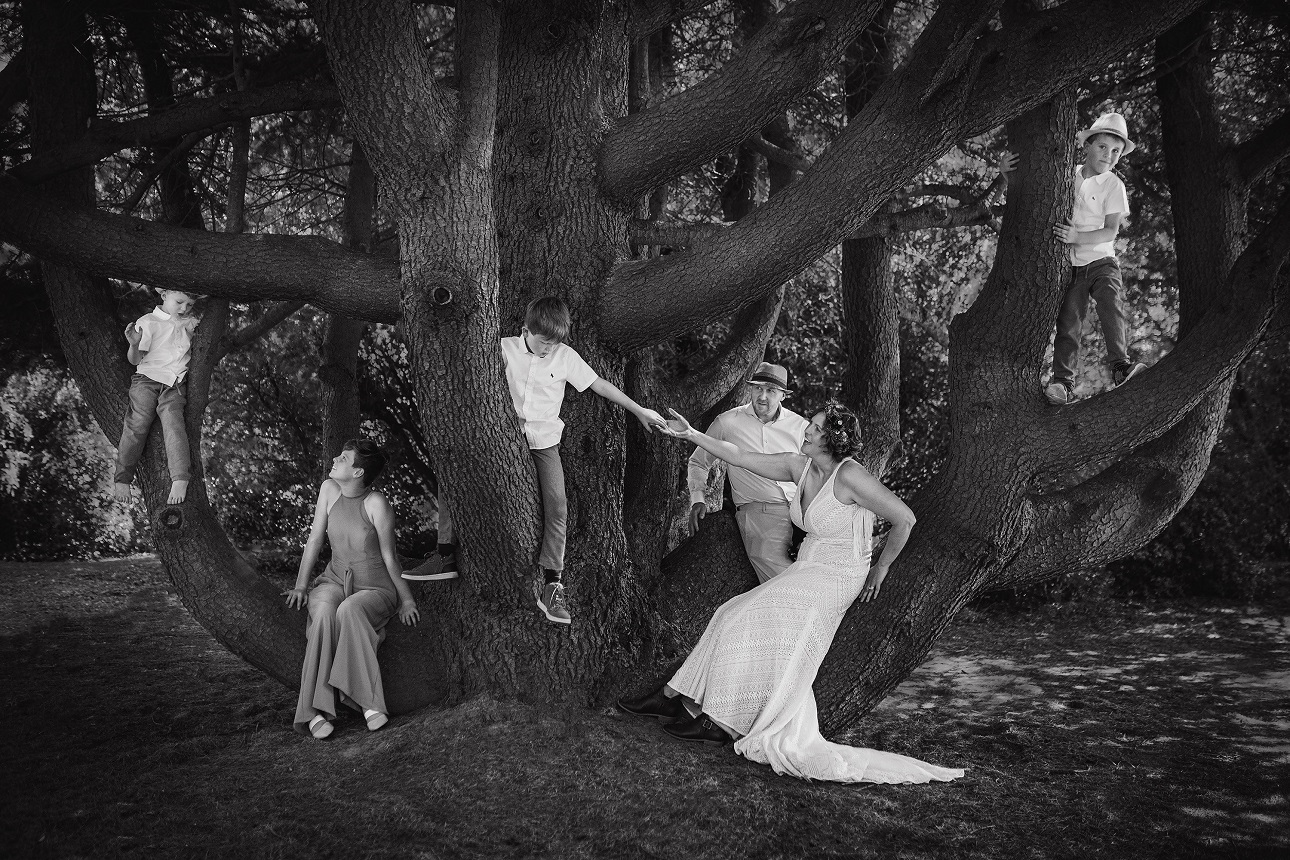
(753, 668)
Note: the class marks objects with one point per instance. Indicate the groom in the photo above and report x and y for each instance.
(762, 425)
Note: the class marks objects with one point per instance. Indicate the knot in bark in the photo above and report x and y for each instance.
(811, 31)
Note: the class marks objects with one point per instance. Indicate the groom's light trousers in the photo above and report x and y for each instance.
(768, 533)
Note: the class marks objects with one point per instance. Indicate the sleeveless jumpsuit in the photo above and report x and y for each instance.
(349, 605)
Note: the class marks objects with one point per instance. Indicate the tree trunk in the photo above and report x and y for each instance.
(339, 371)
(870, 318)
(972, 517)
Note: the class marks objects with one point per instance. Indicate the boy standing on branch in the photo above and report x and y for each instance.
(160, 345)
(538, 365)
(1101, 204)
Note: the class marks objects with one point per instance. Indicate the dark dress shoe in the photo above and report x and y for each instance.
(656, 705)
(699, 729)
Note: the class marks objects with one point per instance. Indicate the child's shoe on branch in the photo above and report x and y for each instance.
(1059, 393)
(1126, 370)
(443, 565)
(551, 601)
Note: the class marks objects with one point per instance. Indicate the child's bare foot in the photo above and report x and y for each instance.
(121, 492)
(178, 492)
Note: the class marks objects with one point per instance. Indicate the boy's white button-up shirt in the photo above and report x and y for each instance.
(1095, 198)
(167, 340)
(782, 435)
(537, 387)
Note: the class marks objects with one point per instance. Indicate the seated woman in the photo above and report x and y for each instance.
(749, 678)
(360, 590)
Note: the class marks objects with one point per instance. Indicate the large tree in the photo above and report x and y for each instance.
(538, 164)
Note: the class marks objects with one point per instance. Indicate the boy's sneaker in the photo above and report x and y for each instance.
(435, 567)
(551, 601)
(1059, 393)
(1126, 370)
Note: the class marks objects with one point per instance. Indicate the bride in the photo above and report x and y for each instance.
(749, 678)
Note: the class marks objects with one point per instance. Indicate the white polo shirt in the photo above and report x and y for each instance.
(167, 340)
(537, 387)
(1095, 198)
(781, 435)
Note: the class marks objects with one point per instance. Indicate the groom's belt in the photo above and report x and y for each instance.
(762, 505)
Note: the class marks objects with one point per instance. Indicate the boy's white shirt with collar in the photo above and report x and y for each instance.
(537, 387)
(1095, 198)
(167, 340)
(741, 426)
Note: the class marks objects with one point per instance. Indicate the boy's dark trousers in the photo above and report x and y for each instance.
(1100, 280)
(149, 399)
(555, 508)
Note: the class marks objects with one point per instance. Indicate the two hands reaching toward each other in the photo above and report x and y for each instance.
(676, 426)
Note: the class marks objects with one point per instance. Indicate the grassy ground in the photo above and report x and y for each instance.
(1110, 730)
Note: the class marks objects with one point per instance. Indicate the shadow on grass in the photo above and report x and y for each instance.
(1121, 731)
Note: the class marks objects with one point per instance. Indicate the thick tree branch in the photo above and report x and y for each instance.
(105, 138)
(1121, 509)
(793, 52)
(650, 16)
(1105, 429)
(682, 236)
(672, 234)
(702, 388)
(852, 177)
(238, 267)
(1050, 51)
(1264, 150)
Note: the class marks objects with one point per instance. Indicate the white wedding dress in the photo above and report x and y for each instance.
(753, 668)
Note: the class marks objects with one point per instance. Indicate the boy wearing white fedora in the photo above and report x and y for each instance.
(1101, 202)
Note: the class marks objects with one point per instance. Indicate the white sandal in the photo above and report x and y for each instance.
(375, 719)
(320, 727)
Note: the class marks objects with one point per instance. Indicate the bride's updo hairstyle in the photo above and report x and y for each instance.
(841, 437)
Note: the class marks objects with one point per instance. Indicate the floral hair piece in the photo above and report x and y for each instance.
(841, 433)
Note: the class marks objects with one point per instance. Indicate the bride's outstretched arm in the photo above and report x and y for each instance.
(776, 467)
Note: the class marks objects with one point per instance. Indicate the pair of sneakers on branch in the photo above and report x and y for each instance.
(1101, 203)
(538, 365)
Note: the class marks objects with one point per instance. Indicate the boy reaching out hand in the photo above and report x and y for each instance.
(538, 364)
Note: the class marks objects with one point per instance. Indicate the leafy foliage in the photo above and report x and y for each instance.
(56, 474)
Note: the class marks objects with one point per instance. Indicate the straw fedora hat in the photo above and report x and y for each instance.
(1108, 123)
(771, 374)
